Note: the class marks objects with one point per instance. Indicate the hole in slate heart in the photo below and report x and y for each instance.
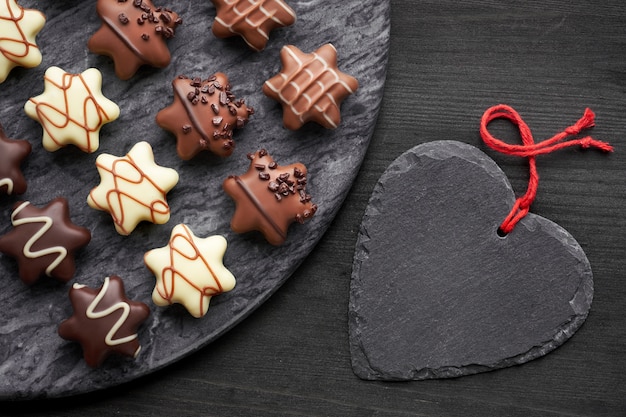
(501, 233)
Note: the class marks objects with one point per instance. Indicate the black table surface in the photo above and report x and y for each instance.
(449, 61)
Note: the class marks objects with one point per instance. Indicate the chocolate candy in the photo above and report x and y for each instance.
(269, 197)
(189, 270)
(252, 20)
(44, 240)
(133, 188)
(105, 321)
(72, 109)
(18, 29)
(134, 33)
(203, 115)
(12, 153)
(310, 87)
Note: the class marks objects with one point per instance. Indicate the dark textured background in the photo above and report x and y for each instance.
(449, 61)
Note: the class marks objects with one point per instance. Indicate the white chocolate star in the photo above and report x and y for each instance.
(189, 270)
(72, 109)
(18, 29)
(133, 188)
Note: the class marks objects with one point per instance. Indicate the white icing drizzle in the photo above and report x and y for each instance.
(9, 183)
(288, 83)
(47, 224)
(93, 314)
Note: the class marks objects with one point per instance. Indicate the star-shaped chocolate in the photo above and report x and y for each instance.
(105, 321)
(189, 270)
(133, 188)
(44, 241)
(253, 20)
(72, 109)
(310, 87)
(203, 115)
(18, 29)
(12, 153)
(269, 197)
(134, 33)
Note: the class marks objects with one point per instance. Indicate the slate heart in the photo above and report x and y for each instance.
(436, 292)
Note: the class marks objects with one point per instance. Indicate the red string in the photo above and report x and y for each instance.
(530, 150)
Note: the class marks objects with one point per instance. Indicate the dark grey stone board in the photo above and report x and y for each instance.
(34, 361)
(436, 292)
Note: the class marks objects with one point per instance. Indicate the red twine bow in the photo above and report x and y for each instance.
(530, 150)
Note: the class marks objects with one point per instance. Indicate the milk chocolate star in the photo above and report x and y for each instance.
(251, 19)
(12, 153)
(134, 33)
(105, 321)
(269, 197)
(310, 87)
(189, 270)
(203, 115)
(44, 241)
(18, 29)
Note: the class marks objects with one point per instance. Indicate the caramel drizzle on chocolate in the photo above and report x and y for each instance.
(259, 206)
(171, 272)
(22, 40)
(303, 89)
(47, 223)
(155, 207)
(91, 313)
(89, 102)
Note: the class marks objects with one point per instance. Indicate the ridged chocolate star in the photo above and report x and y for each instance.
(269, 197)
(134, 33)
(44, 240)
(105, 321)
(203, 115)
(310, 87)
(253, 20)
(12, 153)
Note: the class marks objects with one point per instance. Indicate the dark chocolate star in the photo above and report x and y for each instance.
(12, 153)
(269, 197)
(44, 240)
(203, 115)
(134, 33)
(105, 321)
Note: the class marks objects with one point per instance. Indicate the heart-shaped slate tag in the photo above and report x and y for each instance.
(436, 292)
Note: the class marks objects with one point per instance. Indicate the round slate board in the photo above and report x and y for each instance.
(34, 361)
